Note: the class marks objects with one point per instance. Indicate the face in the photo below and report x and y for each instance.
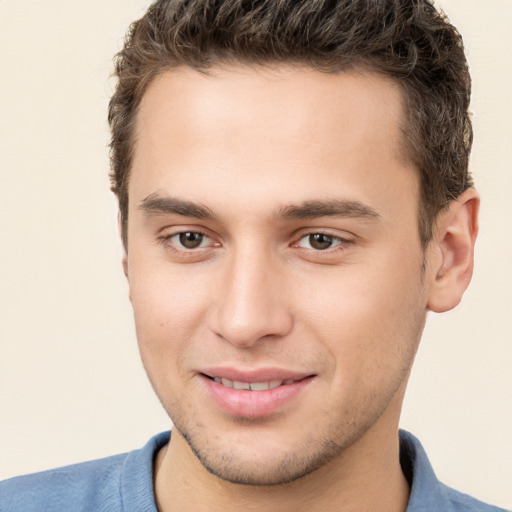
(274, 263)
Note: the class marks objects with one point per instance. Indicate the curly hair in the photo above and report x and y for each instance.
(408, 40)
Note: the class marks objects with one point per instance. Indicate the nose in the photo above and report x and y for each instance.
(250, 302)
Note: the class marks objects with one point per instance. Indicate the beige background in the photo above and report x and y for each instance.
(71, 384)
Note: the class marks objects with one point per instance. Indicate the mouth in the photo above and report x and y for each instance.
(252, 386)
(254, 394)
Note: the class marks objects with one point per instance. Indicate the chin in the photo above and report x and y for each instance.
(268, 462)
(266, 470)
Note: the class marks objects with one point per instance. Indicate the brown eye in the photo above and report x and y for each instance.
(191, 240)
(320, 242)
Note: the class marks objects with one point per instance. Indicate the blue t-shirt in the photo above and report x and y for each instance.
(124, 483)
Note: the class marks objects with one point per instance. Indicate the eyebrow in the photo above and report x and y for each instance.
(330, 208)
(155, 204)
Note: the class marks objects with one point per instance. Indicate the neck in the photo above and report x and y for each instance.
(366, 476)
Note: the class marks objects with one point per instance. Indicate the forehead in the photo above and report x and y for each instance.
(302, 102)
(249, 127)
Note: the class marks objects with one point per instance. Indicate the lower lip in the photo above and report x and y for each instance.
(253, 404)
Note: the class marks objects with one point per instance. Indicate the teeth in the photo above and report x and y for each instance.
(254, 386)
(241, 385)
(259, 386)
(274, 384)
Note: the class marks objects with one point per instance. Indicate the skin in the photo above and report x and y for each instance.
(250, 148)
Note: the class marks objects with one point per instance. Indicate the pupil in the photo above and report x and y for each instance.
(191, 240)
(320, 241)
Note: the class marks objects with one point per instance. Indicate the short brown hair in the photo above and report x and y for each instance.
(408, 40)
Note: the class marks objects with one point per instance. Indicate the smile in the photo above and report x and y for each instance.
(254, 394)
(252, 386)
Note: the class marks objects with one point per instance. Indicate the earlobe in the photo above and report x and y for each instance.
(452, 250)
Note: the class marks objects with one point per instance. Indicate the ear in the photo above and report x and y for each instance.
(124, 260)
(451, 252)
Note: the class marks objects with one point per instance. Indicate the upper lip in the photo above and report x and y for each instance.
(253, 375)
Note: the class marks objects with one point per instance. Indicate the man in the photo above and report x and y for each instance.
(294, 197)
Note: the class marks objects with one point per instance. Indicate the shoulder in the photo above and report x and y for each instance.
(427, 492)
(461, 502)
(118, 483)
(66, 488)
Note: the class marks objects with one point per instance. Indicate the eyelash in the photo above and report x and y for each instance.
(338, 243)
(166, 240)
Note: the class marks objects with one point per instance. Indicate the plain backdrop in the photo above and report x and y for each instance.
(72, 386)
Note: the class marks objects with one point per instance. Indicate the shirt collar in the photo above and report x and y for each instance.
(427, 493)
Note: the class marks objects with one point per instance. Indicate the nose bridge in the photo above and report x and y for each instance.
(250, 301)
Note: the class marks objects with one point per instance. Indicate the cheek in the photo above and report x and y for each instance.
(365, 318)
(168, 309)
